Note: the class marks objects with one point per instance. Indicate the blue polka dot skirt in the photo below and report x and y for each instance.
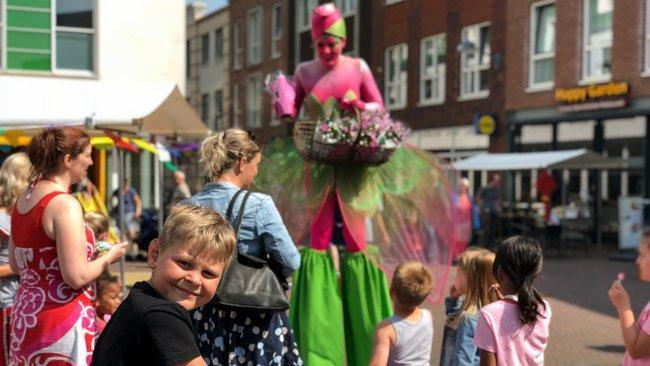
(235, 336)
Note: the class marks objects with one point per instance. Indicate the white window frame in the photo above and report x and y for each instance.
(393, 54)
(255, 36)
(586, 47)
(55, 29)
(436, 75)
(646, 41)
(276, 37)
(218, 58)
(547, 85)
(303, 14)
(474, 70)
(238, 51)
(236, 108)
(254, 101)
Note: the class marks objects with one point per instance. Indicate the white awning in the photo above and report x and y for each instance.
(27, 102)
(567, 159)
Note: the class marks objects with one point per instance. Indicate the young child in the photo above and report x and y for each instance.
(469, 293)
(405, 338)
(109, 297)
(152, 326)
(98, 223)
(636, 337)
(514, 330)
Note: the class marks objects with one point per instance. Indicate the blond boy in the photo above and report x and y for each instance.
(152, 326)
(405, 338)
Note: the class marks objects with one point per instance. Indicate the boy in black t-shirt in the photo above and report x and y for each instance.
(152, 326)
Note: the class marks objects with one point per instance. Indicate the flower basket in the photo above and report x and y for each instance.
(371, 155)
(312, 150)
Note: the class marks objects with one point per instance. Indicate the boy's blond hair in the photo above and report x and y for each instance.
(204, 231)
(97, 222)
(411, 284)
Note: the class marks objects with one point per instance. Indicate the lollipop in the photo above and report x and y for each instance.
(620, 277)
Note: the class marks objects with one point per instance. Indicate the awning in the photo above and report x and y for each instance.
(567, 159)
(151, 107)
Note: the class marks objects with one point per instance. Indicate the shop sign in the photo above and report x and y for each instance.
(485, 124)
(592, 97)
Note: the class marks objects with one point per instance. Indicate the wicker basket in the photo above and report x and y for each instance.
(339, 153)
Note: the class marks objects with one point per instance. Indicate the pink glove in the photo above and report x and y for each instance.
(350, 104)
(283, 94)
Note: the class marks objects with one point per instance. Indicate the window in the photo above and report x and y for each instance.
(303, 43)
(647, 37)
(205, 108)
(347, 7)
(276, 30)
(237, 54)
(254, 101)
(542, 44)
(188, 58)
(432, 69)
(236, 110)
(396, 76)
(474, 61)
(254, 36)
(205, 49)
(597, 50)
(218, 110)
(75, 35)
(218, 45)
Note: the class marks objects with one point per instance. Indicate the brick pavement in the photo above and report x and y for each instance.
(584, 328)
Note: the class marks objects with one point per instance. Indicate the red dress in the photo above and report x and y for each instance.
(52, 324)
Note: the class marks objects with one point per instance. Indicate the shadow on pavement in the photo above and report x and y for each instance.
(611, 348)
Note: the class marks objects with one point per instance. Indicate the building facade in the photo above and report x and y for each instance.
(91, 45)
(578, 77)
(208, 60)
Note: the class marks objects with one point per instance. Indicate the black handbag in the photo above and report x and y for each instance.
(249, 282)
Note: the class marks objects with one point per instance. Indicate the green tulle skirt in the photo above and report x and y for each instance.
(334, 323)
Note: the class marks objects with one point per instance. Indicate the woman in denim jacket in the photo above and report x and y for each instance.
(470, 292)
(236, 336)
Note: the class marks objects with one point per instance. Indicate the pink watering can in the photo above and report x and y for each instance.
(283, 94)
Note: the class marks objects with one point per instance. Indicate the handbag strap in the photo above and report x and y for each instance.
(240, 214)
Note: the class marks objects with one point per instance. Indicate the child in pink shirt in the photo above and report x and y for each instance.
(514, 330)
(636, 337)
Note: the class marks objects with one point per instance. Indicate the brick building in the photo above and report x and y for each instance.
(577, 77)
(441, 66)
(260, 44)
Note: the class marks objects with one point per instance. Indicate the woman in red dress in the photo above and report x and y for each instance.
(53, 320)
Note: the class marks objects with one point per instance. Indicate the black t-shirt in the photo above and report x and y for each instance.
(146, 330)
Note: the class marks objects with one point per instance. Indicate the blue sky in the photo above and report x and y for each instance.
(212, 4)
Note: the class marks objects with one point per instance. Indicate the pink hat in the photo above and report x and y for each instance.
(327, 19)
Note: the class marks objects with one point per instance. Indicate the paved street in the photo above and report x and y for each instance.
(584, 328)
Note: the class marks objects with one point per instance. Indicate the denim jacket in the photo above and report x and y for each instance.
(458, 348)
(262, 229)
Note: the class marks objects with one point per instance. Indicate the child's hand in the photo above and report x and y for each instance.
(619, 296)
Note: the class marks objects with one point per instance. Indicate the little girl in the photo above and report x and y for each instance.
(109, 297)
(514, 330)
(469, 293)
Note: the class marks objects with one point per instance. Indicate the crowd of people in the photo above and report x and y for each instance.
(59, 303)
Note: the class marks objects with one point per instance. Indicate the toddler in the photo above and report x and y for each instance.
(469, 293)
(152, 326)
(109, 297)
(514, 330)
(405, 338)
(636, 337)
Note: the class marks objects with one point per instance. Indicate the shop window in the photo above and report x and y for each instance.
(597, 46)
(276, 30)
(432, 69)
(75, 35)
(237, 48)
(254, 101)
(205, 108)
(254, 36)
(218, 45)
(475, 59)
(205, 49)
(396, 76)
(218, 110)
(542, 45)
